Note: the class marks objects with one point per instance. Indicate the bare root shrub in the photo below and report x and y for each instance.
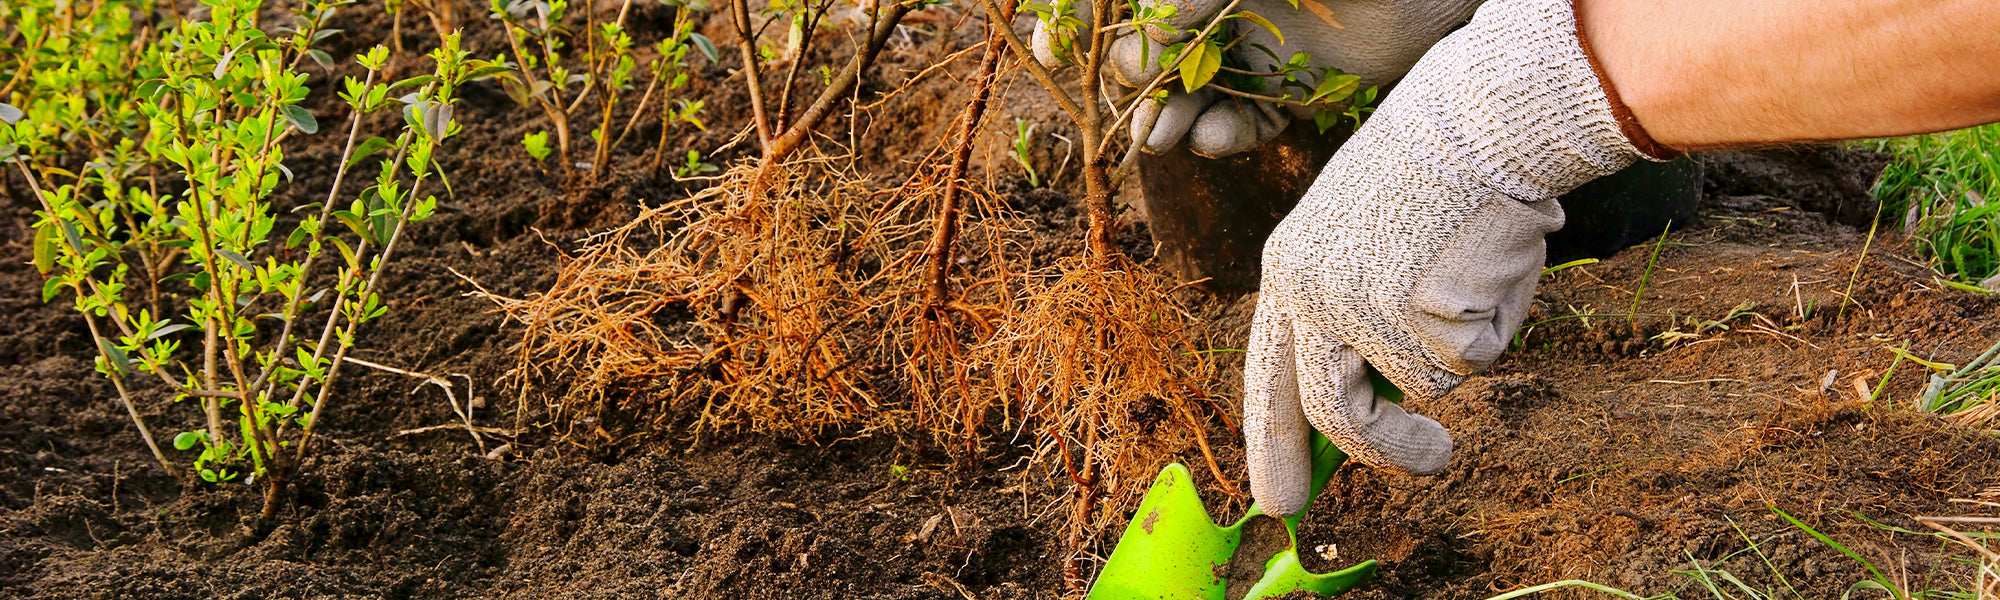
(780, 276)
(947, 388)
(790, 298)
(1106, 366)
(942, 381)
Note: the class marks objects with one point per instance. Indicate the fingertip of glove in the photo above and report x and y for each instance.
(1221, 131)
(1431, 450)
(1039, 45)
(1280, 505)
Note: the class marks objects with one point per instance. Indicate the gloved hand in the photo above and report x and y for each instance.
(1376, 40)
(1417, 249)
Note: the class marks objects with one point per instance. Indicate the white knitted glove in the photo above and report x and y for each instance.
(1417, 249)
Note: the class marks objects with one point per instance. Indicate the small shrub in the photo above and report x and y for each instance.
(161, 224)
(545, 74)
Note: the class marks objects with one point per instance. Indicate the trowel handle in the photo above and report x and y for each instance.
(1326, 458)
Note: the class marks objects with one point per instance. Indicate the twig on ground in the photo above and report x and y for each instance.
(464, 414)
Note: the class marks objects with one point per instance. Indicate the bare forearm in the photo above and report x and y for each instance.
(1717, 73)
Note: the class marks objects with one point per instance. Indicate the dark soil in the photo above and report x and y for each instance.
(1594, 452)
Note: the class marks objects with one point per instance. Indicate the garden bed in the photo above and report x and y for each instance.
(1617, 448)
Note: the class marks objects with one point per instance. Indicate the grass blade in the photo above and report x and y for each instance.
(1881, 581)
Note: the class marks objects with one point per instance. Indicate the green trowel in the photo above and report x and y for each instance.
(1171, 550)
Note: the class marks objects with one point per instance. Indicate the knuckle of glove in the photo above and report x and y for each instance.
(1341, 402)
(1224, 129)
(1171, 121)
(1475, 294)
(1234, 126)
(1135, 60)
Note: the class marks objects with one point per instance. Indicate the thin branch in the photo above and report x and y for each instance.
(125, 398)
(306, 267)
(1284, 101)
(1035, 68)
(837, 90)
(939, 249)
(792, 74)
(753, 79)
(368, 289)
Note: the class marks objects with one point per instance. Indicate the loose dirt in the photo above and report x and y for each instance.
(1593, 451)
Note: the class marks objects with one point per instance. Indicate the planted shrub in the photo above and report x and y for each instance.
(546, 74)
(158, 218)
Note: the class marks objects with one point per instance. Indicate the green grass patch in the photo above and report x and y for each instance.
(1947, 188)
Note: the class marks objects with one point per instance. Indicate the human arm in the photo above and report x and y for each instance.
(1704, 74)
(1417, 249)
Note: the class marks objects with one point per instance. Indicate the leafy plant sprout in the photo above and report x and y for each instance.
(537, 144)
(219, 101)
(1968, 394)
(1024, 135)
(694, 167)
(542, 75)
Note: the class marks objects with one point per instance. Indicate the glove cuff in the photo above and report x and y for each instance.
(1516, 98)
(1627, 124)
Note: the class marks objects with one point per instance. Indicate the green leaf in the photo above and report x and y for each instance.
(187, 439)
(169, 330)
(1200, 65)
(239, 259)
(1966, 287)
(425, 208)
(368, 148)
(702, 43)
(300, 118)
(346, 253)
(1574, 263)
(355, 224)
(1335, 87)
(413, 115)
(121, 365)
(438, 118)
(45, 249)
(480, 69)
(320, 56)
(1262, 22)
(418, 80)
(1325, 119)
(222, 65)
(1877, 574)
(69, 234)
